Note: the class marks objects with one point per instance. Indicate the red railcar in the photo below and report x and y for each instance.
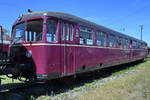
(148, 52)
(48, 45)
(4, 45)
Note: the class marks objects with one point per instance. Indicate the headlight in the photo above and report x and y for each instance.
(28, 54)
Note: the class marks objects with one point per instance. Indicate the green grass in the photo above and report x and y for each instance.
(133, 86)
(76, 89)
(124, 70)
(6, 80)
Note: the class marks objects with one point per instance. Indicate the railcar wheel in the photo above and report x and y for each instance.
(26, 79)
(23, 79)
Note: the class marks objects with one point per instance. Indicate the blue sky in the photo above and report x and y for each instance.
(114, 14)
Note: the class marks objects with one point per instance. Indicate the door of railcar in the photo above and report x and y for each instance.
(67, 48)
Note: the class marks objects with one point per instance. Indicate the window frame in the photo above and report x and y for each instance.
(117, 42)
(57, 28)
(114, 44)
(71, 30)
(85, 31)
(126, 43)
(102, 34)
(26, 21)
(13, 30)
(63, 30)
(134, 44)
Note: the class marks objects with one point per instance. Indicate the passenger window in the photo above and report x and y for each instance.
(86, 36)
(30, 36)
(111, 41)
(89, 36)
(62, 31)
(138, 45)
(65, 31)
(71, 32)
(100, 38)
(134, 45)
(130, 44)
(119, 42)
(51, 30)
(126, 44)
(103, 39)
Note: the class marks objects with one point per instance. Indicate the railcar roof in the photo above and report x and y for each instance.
(76, 19)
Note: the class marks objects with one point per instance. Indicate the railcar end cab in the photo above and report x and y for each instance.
(36, 43)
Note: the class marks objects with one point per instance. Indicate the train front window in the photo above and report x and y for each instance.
(18, 32)
(34, 31)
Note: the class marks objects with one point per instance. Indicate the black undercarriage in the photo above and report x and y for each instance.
(18, 66)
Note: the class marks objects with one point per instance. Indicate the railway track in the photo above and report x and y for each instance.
(15, 88)
(54, 87)
(50, 86)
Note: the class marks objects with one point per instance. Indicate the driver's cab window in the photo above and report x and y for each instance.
(34, 30)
